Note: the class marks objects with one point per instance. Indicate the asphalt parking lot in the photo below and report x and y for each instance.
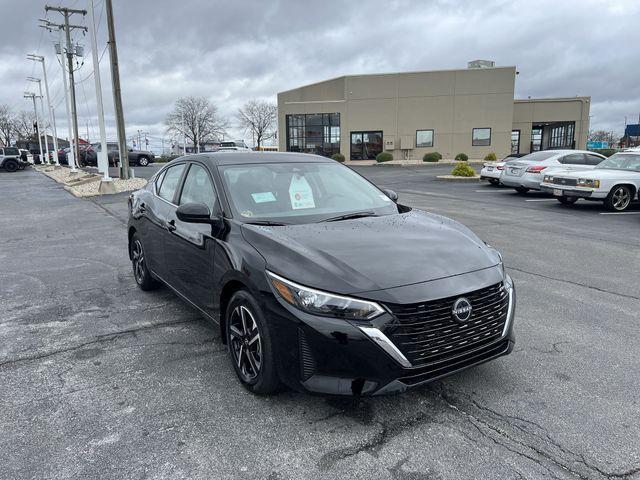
(101, 380)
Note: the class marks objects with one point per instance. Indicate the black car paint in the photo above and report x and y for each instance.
(205, 263)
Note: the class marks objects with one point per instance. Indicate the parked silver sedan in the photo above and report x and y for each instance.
(528, 172)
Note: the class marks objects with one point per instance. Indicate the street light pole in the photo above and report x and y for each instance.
(43, 116)
(33, 96)
(52, 117)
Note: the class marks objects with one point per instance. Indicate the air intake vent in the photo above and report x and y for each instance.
(307, 362)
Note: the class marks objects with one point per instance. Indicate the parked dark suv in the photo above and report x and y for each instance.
(136, 157)
(319, 279)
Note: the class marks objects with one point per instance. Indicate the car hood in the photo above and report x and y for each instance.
(601, 174)
(371, 253)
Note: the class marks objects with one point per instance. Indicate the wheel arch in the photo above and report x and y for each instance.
(230, 287)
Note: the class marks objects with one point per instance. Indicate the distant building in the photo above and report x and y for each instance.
(470, 111)
(631, 137)
(31, 143)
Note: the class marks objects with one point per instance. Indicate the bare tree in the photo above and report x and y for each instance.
(23, 124)
(259, 118)
(7, 123)
(197, 119)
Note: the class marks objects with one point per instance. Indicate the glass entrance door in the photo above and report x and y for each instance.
(366, 145)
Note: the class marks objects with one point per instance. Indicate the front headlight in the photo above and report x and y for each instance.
(326, 304)
(585, 182)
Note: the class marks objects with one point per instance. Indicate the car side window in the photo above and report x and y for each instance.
(573, 159)
(593, 159)
(198, 188)
(170, 182)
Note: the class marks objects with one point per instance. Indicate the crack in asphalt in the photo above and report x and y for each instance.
(107, 337)
(578, 284)
(545, 437)
(374, 444)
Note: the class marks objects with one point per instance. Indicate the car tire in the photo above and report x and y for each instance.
(10, 165)
(567, 200)
(521, 189)
(250, 345)
(494, 181)
(619, 198)
(143, 161)
(141, 273)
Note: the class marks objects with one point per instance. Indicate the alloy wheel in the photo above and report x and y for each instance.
(138, 261)
(144, 161)
(245, 343)
(621, 198)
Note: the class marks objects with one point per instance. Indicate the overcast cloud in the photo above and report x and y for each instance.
(233, 51)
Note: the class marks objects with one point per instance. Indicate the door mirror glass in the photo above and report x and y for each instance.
(391, 194)
(193, 213)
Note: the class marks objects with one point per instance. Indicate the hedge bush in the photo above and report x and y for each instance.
(384, 157)
(491, 157)
(338, 157)
(432, 157)
(462, 157)
(463, 170)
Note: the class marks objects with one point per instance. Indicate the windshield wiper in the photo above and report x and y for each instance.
(349, 216)
(267, 223)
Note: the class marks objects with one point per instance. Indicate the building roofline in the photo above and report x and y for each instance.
(412, 72)
(552, 99)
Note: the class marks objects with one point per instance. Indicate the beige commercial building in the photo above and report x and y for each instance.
(470, 111)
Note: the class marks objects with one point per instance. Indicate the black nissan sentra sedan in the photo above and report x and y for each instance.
(318, 279)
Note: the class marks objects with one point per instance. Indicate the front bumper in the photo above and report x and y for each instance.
(337, 357)
(571, 191)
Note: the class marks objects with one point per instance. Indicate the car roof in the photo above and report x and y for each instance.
(240, 157)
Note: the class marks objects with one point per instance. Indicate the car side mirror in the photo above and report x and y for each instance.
(194, 213)
(391, 194)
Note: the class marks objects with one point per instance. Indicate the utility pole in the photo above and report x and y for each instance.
(33, 96)
(52, 117)
(67, 12)
(43, 127)
(117, 94)
(103, 160)
(71, 159)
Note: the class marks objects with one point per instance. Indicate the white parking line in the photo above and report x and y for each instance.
(619, 213)
(494, 191)
(541, 200)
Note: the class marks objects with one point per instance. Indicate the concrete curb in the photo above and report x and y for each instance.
(451, 178)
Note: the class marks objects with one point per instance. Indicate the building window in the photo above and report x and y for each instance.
(562, 136)
(481, 137)
(536, 139)
(515, 141)
(365, 145)
(317, 133)
(424, 138)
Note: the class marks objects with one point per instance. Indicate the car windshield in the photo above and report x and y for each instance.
(300, 192)
(621, 161)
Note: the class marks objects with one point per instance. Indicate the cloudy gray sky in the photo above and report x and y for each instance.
(232, 51)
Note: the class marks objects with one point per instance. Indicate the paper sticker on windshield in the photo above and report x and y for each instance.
(384, 197)
(262, 197)
(300, 193)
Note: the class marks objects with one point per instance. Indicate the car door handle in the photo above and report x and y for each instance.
(170, 225)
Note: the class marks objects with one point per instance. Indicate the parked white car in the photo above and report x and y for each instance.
(491, 171)
(528, 172)
(615, 181)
